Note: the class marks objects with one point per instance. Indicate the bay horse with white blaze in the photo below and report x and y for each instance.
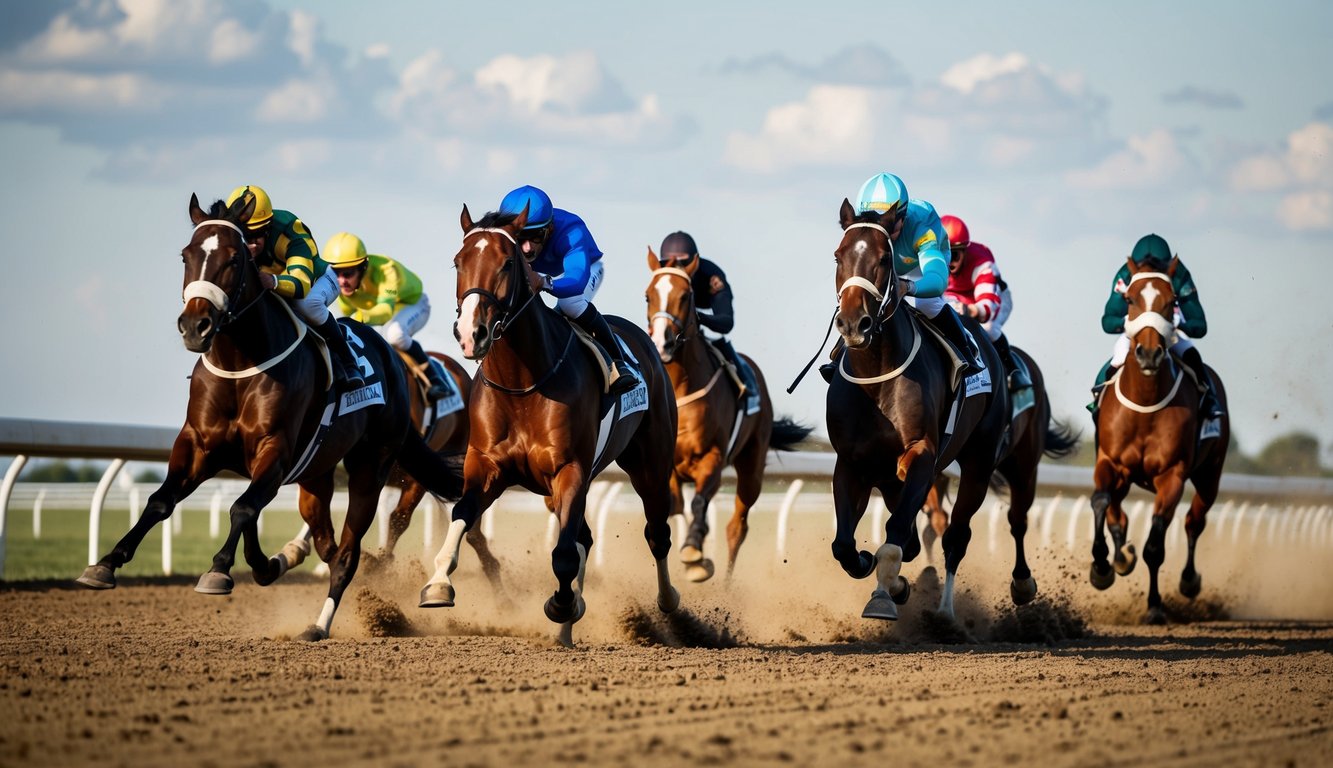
(257, 405)
(1032, 434)
(716, 427)
(540, 417)
(893, 420)
(1148, 434)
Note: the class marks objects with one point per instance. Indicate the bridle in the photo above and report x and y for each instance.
(495, 327)
(889, 294)
(678, 326)
(212, 292)
(1165, 326)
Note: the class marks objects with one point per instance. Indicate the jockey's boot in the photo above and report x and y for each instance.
(1209, 407)
(952, 327)
(828, 369)
(1018, 378)
(346, 373)
(623, 378)
(438, 388)
(738, 373)
(1102, 376)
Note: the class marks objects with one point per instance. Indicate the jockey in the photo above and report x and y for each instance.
(977, 291)
(919, 241)
(1189, 319)
(380, 292)
(711, 292)
(289, 265)
(557, 242)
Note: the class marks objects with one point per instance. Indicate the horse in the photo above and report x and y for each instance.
(716, 427)
(257, 403)
(1148, 434)
(541, 419)
(893, 421)
(1032, 434)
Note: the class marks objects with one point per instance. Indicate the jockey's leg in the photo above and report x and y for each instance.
(346, 373)
(738, 372)
(1018, 378)
(1102, 376)
(438, 387)
(592, 321)
(407, 322)
(948, 322)
(1209, 405)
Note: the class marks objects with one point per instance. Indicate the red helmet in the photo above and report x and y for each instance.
(959, 237)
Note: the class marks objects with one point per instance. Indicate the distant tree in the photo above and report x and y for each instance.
(1238, 463)
(148, 476)
(1295, 453)
(61, 471)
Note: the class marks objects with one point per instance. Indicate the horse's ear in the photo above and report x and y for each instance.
(241, 209)
(1132, 266)
(1175, 263)
(653, 261)
(196, 213)
(847, 214)
(465, 219)
(522, 219)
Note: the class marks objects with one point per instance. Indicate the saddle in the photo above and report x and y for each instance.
(736, 377)
(955, 374)
(438, 409)
(604, 362)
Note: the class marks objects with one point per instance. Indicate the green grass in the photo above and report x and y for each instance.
(62, 551)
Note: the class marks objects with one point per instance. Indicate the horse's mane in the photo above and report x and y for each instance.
(496, 219)
(218, 210)
(869, 216)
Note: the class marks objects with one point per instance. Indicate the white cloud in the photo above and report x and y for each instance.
(967, 74)
(231, 41)
(1303, 170)
(834, 125)
(1309, 211)
(1150, 160)
(296, 101)
(74, 93)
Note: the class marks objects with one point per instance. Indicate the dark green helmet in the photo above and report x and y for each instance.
(1151, 247)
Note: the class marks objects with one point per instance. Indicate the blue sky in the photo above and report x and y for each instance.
(1060, 135)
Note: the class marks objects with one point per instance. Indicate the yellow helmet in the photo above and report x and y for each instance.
(263, 212)
(344, 250)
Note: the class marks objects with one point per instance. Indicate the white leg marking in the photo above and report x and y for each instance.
(888, 564)
(325, 619)
(447, 558)
(946, 597)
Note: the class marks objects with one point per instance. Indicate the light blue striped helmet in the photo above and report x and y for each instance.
(883, 193)
(537, 202)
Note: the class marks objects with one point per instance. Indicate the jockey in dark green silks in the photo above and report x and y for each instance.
(1189, 319)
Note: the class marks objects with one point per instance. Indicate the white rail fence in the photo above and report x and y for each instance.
(1272, 508)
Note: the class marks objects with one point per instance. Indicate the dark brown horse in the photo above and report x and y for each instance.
(257, 401)
(1148, 434)
(892, 422)
(716, 428)
(1032, 433)
(541, 419)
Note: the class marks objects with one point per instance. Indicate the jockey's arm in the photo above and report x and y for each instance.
(934, 267)
(985, 293)
(1195, 324)
(722, 319)
(296, 251)
(1113, 316)
(386, 296)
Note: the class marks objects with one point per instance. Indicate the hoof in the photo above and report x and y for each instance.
(1023, 591)
(437, 596)
(880, 607)
(313, 634)
(1101, 579)
(700, 571)
(668, 601)
(866, 562)
(1191, 587)
(214, 583)
(563, 614)
(691, 554)
(277, 565)
(98, 577)
(1155, 616)
(900, 595)
(1125, 560)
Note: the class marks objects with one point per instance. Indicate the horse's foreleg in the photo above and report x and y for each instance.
(749, 467)
(569, 493)
(266, 478)
(1108, 485)
(1169, 488)
(707, 481)
(851, 493)
(1022, 491)
(481, 487)
(178, 484)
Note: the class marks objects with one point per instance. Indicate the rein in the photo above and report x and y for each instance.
(267, 364)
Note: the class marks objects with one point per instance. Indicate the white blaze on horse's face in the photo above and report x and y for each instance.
(467, 323)
(209, 245)
(659, 327)
(1150, 296)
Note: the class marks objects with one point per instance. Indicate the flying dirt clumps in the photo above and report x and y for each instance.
(1044, 621)
(679, 629)
(380, 617)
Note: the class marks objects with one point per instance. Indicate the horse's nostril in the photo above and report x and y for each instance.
(863, 326)
(203, 326)
(457, 336)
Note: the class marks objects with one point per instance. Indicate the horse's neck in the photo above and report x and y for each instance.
(889, 348)
(1142, 388)
(695, 365)
(257, 334)
(529, 348)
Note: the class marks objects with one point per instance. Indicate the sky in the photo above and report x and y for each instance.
(1061, 133)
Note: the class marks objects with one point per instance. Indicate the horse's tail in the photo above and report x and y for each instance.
(1061, 440)
(442, 475)
(787, 434)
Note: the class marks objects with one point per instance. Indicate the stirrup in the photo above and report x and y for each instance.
(1016, 381)
(436, 392)
(625, 379)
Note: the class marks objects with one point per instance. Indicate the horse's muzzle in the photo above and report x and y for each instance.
(197, 328)
(1149, 358)
(855, 332)
(476, 344)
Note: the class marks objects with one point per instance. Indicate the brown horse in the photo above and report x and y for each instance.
(257, 404)
(893, 421)
(542, 420)
(716, 427)
(1148, 434)
(1032, 433)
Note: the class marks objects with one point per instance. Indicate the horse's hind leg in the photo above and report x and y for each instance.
(490, 565)
(939, 519)
(1169, 487)
(1110, 491)
(651, 478)
(707, 481)
(1022, 491)
(972, 485)
(1205, 493)
(749, 467)
(178, 484)
(569, 492)
(401, 517)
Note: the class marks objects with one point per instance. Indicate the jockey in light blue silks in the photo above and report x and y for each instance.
(920, 248)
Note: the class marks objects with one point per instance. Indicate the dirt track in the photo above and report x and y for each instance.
(154, 674)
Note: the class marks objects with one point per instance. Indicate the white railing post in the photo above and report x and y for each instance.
(1074, 515)
(603, 512)
(168, 527)
(6, 487)
(36, 516)
(784, 512)
(95, 509)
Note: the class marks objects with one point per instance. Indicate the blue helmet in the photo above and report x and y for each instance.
(537, 202)
(883, 193)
